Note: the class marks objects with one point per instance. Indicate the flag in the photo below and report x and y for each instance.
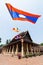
(16, 29)
(17, 14)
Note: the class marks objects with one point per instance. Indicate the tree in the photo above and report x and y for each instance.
(7, 41)
(0, 40)
(41, 44)
(1, 45)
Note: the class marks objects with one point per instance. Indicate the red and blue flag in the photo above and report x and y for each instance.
(17, 14)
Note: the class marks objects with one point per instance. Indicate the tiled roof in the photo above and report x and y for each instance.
(22, 35)
(25, 36)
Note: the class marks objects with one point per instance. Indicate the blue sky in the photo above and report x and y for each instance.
(6, 22)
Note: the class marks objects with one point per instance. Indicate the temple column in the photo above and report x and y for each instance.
(13, 49)
(9, 50)
(27, 49)
(16, 49)
(22, 52)
(4, 51)
(34, 50)
(38, 50)
(30, 48)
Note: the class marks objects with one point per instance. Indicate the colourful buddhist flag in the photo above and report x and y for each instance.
(16, 29)
(17, 14)
(17, 37)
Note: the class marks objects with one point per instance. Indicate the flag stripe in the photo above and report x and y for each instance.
(15, 16)
(20, 11)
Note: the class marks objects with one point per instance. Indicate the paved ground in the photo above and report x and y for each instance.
(8, 60)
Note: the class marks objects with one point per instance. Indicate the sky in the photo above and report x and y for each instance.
(6, 22)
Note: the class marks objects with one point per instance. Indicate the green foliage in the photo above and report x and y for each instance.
(1, 45)
(7, 41)
(41, 44)
(0, 40)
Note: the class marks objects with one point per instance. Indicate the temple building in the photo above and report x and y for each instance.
(21, 44)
